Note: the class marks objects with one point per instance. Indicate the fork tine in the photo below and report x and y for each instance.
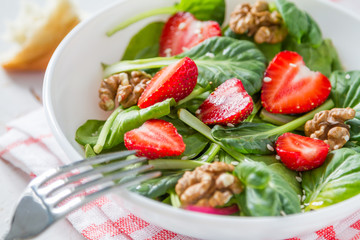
(79, 201)
(47, 190)
(54, 200)
(81, 163)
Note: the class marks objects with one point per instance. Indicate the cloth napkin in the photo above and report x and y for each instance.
(29, 145)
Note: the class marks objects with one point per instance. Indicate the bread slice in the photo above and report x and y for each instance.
(39, 33)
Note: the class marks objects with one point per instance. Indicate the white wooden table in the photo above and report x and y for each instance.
(18, 92)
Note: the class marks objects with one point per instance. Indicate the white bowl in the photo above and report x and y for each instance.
(70, 98)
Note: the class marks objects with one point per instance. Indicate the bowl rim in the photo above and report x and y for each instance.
(133, 198)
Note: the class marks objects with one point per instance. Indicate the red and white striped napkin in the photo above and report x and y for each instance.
(29, 145)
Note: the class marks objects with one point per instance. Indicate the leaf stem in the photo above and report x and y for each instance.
(105, 130)
(166, 164)
(130, 65)
(192, 95)
(291, 126)
(210, 153)
(141, 16)
(174, 199)
(277, 119)
(202, 128)
(256, 109)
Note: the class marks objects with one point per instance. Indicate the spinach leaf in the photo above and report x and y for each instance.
(259, 138)
(270, 190)
(247, 138)
(180, 126)
(269, 50)
(218, 59)
(88, 133)
(313, 35)
(324, 58)
(194, 103)
(352, 145)
(106, 129)
(267, 159)
(295, 19)
(194, 141)
(336, 180)
(345, 92)
(195, 144)
(144, 44)
(134, 117)
(204, 9)
(299, 24)
(156, 187)
(110, 133)
(201, 9)
(89, 152)
(232, 58)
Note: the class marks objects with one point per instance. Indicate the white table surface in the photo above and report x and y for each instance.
(18, 93)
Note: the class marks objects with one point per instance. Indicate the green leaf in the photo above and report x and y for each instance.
(324, 58)
(345, 92)
(192, 104)
(180, 126)
(204, 9)
(89, 152)
(270, 190)
(352, 145)
(218, 59)
(269, 50)
(259, 138)
(195, 144)
(144, 44)
(336, 180)
(194, 141)
(106, 129)
(232, 59)
(295, 19)
(205, 130)
(134, 117)
(173, 164)
(88, 133)
(156, 187)
(313, 35)
(300, 25)
(247, 138)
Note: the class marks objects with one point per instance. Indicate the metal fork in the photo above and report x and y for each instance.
(49, 197)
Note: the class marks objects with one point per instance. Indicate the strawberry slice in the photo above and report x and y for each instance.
(174, 81)
(183, 31)
(290, 87)
(301, 153)
(228, 104)
(156, 138)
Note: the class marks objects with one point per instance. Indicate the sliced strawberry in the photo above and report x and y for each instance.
(290, 87)
(155, 139)
(183, 31)
(228, 104)
(301, 153)
(174, 81)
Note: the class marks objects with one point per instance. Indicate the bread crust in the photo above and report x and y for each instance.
(36, 52)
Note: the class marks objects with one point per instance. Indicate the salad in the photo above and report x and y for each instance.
(252, 118)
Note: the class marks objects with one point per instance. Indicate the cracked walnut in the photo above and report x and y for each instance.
(208, 185)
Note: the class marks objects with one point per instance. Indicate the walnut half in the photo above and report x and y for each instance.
(258, 21)
(329, 126)
(125, 88)
(208, 185)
